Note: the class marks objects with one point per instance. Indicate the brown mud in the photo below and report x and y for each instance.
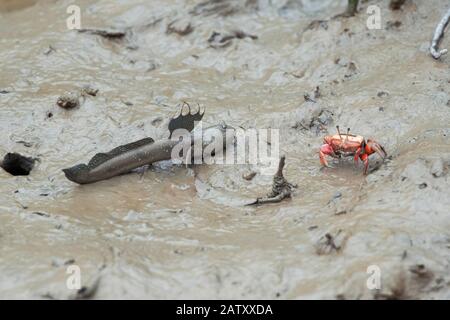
(181, 232)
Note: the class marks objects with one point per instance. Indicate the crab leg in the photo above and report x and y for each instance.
(357, 155)
(365, 159)
(323, 152)
(339, 133)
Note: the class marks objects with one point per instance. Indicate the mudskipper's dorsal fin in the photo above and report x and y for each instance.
(100, 158)
(185, 119)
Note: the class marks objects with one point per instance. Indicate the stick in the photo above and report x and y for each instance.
(438, 34)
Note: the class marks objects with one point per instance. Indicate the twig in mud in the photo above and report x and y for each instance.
(105, 33)
(219, 40)
(327, 244)
(49, 50)
(281, 189)
(438, 35)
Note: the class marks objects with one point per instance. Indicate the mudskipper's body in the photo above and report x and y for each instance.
(130, 156)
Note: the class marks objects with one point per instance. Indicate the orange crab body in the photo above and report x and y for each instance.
(349, 145)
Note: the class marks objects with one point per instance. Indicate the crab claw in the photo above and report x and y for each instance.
(325, 150)
(374, 146)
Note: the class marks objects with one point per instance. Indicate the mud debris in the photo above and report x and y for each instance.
(396, 4)
(249, 176)
(180, 27)
(17, 164)
(57, 262)
(25, 143)
(423, 185)
(438, 35)
(382, 94)
(87, 292)
(41, 214)
(397, 291)
(316, 24)
(73, 99)
(393, 24)
(49, 50)
(89, 90)
(222, 40)
(224, 8)
(438, 168)
(69, 100)
(329, 243)
(313, 117)
(384, 207)
(351, 10)
(110, 34)
(420, 271)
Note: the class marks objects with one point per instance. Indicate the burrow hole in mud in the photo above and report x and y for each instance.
(17, 165)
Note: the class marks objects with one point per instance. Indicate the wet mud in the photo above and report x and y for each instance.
(177, 232)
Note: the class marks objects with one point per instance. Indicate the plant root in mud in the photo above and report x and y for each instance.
(281, 188)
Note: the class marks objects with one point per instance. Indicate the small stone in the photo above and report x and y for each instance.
(337, 195)
(180, 27)
(249, 176)
(69, 100)
(89, 90)
(437, 168)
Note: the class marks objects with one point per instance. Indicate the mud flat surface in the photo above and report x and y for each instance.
(181, 232)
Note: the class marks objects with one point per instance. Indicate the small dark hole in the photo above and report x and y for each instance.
(17, 165)
(422, 185)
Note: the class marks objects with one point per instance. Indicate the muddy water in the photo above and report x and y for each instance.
(182, 232)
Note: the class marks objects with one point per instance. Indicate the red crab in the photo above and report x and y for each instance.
(346, 145)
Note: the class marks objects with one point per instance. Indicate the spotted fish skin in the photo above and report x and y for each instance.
(107, 165)
(125, 158)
